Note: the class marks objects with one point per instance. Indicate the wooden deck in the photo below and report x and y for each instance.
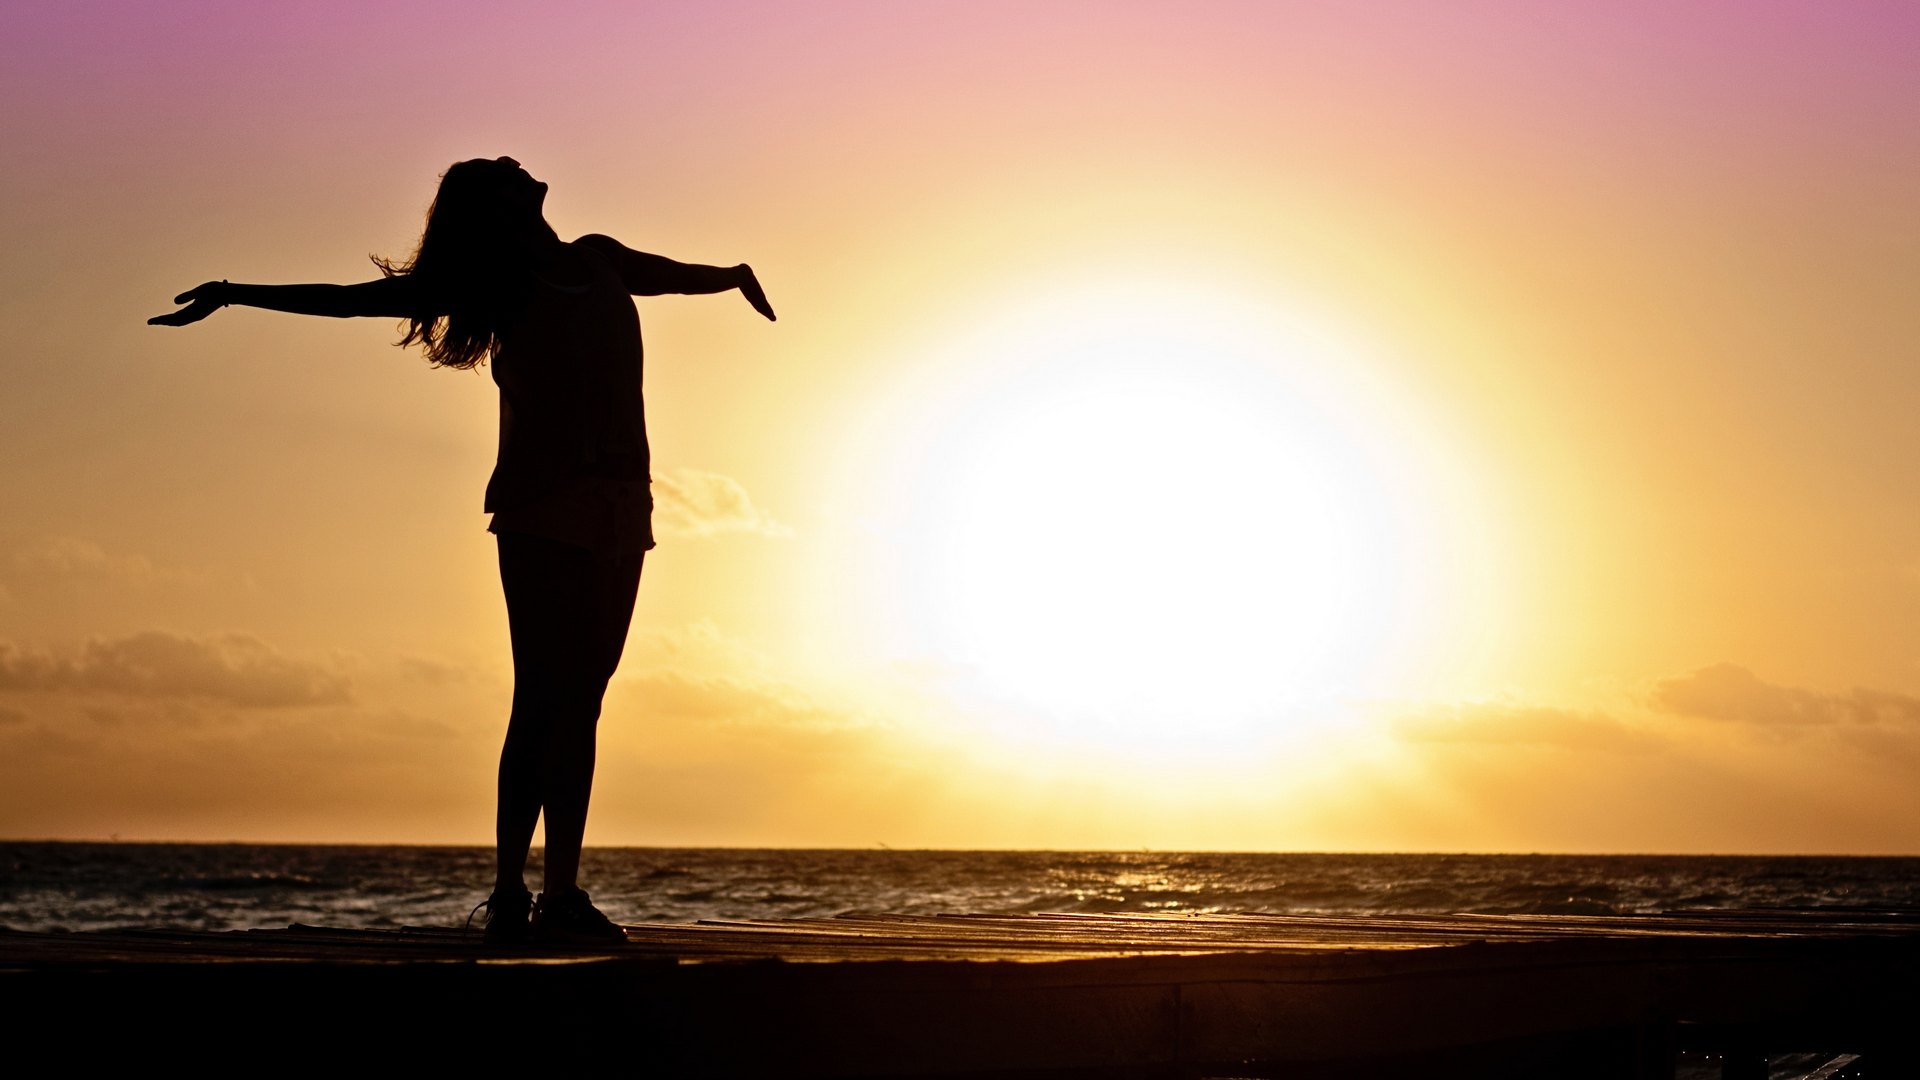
(1003, 996)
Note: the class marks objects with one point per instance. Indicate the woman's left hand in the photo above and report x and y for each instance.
(201, 301)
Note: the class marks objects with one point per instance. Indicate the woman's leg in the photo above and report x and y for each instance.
(518, 809)
(566, 781)
(528, 578)
(569, 610)
(604, 615)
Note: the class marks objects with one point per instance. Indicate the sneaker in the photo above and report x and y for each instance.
(508, 913)
(571, 919)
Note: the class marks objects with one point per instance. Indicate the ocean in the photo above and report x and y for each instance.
(100, 886)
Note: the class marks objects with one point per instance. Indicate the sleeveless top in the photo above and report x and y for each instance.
(573, 462)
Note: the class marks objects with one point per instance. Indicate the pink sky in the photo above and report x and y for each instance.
(1626, 292)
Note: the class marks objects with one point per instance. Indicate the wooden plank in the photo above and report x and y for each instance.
(1110, 995)
(1832, 1069)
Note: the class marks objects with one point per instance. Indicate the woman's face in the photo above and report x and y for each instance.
(523, 182)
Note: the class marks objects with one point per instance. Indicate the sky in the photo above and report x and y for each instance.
(1380, 426)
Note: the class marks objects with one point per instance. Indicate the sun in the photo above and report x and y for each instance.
(1144, 529)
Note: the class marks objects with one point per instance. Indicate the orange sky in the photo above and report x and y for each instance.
(1262, 426)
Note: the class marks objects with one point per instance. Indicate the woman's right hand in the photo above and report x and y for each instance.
(201, 301)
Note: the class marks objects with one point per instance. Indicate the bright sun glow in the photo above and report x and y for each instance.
(1141, 524)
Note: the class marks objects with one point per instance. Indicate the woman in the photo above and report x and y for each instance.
(571, 509)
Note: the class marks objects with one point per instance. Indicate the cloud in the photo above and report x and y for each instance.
(432, 672)
(689, 502)
(74, 558)
(726, 700)
(232, 669)
(1499, 724)
(1731, 693)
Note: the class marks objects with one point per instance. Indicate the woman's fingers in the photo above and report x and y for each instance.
(200, 300)
(757, 296)
(192, 313)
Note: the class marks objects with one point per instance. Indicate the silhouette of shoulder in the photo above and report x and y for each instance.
(643, 274)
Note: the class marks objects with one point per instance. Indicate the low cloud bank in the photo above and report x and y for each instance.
(232, 669)
(1728, 692)
(1502, 724)
(689, 502)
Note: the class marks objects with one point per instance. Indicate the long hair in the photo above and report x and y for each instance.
(474, 255)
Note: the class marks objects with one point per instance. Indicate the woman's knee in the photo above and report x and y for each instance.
(547, 702)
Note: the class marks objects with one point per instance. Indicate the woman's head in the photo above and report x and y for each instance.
(488, 196)
(481, 231)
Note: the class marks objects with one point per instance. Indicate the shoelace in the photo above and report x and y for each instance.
(487, 903)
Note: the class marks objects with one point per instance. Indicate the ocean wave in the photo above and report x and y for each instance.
(257, 880)
(233, 886)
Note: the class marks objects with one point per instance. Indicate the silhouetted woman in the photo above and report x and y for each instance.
(569, 495)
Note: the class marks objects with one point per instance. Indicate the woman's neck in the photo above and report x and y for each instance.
(555, 262)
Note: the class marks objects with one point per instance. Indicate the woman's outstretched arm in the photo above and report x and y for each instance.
(653, 275)
(398, 297)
